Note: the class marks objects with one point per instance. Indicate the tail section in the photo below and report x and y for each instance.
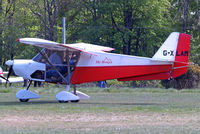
(175, 53)
(175, 49)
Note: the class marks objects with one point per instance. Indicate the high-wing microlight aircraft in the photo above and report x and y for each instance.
(81, 62)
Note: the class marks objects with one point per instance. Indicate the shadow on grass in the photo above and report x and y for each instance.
(9, 103)
(14, 103)
(123, 103)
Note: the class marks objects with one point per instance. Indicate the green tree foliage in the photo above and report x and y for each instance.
(126, 25)
(14, 24)
(186, 18)
(133, 27)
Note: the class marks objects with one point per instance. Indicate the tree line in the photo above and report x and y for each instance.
(133, 27)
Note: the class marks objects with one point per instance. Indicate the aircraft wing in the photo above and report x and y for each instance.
(82, 47)
(12, 80)
(89, 47)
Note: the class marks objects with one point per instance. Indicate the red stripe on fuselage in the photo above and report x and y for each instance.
(157, 76)
(90, 74)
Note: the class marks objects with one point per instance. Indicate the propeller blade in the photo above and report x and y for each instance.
(9, 72)
(10, 64)
(3, 78)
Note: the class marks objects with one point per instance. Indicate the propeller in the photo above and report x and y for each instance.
(10, 64)
(3, 78)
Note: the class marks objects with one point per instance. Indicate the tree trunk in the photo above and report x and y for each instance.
(51, 11)
(94, 11)
(137, 42)
(1, 41)
(128, 23)
(185, 15)
(45, 20)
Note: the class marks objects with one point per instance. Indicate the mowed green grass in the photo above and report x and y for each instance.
(114, 110)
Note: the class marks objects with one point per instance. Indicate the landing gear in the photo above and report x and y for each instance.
(64, 96)
(74, 96)
(24, 95)
(23, 100)
(75, 101)
(63, 101)
(81, 95)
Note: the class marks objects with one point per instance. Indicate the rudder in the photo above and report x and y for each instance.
(182, 55)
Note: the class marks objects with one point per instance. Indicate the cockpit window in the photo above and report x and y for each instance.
(39, 57)
(55, 57)
(63, 62)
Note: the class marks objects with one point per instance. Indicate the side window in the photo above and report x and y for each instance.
(55, 58)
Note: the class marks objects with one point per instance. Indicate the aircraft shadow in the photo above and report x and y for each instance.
(39, 102)
(123, 103)
(27, 103)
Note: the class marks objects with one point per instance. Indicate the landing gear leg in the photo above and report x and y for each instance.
(75, 101)
(29, 85)
(74, 89)
(81, 95)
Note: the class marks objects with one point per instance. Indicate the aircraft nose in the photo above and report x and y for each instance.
(9, 62)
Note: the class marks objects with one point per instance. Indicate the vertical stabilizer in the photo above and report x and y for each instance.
(175, 49)
(168, 49)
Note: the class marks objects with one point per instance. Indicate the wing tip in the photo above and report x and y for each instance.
(18, 40)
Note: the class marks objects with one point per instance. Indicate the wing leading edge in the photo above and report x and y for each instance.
(82, 47)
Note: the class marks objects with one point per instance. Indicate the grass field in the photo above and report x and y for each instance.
(124, 110)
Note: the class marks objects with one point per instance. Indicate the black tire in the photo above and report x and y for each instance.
(23, 100)
(75, 101)
(61, 101)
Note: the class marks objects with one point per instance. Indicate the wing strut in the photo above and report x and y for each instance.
(68, 68)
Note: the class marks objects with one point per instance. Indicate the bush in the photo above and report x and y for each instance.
(133, 84)
(189, 80)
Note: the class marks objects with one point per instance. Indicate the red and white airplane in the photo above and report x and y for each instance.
(80, 62)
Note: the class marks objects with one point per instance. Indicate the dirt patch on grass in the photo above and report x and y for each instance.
(91, 121)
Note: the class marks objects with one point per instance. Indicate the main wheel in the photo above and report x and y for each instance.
(62, 101)
(75, 101)
(23, 100)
